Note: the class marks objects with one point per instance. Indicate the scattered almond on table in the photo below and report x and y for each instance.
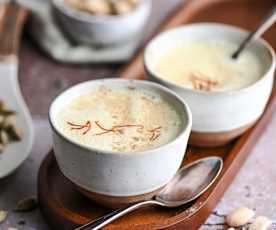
(241, 217)
(260, 223)
(9, 132)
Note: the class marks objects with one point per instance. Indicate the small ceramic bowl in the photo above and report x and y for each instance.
(218, 117)
(101, 30)
(117, 178)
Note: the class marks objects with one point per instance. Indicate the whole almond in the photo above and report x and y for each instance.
(260, 223)
(239, 217)
(122, 7)
(133, 2)
(99, 7)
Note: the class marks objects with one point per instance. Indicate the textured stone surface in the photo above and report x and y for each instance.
(255, 185)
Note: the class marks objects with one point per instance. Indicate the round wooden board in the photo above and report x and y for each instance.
(65, 208)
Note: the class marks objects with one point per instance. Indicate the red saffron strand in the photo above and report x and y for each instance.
(72, 124)
(155, 133)
(125, 126)
(201, 83)
(88, 126)
(115, 128)
(98, 134)
(80, 127)
(101, 127)
(155, 129)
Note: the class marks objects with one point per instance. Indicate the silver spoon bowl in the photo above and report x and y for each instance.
(187, 185)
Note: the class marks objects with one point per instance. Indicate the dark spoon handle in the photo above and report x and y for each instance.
(268, 21)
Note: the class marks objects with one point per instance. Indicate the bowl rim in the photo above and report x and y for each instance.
(185, 108)
(90, 18)
(236, 29)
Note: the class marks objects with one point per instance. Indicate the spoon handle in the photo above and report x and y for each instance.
(103, 221)
(268, 21)
(12, 19)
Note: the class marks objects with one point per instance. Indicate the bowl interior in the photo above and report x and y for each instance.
(90, 18)
(204, 32)
(73, 92)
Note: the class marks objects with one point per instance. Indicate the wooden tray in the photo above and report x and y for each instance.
(65, 208)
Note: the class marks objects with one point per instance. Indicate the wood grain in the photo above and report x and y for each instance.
(65, 208)
(12, 19)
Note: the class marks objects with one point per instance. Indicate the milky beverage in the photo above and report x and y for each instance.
(121, 120)
(208, 66)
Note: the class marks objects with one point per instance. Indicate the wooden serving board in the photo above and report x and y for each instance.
(64, 208)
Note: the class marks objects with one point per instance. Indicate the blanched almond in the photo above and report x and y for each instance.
(260, 223)
(239, 217)
(122, 7)
(134, 2)
(100, 7)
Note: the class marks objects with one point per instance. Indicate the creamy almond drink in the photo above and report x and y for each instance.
(121, 120)
(208, 66)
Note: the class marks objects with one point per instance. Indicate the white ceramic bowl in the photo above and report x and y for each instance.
(111, 175)
(217, 116)
(101, 29)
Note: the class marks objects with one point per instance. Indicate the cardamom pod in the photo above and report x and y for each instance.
(7, 112)
(26, 205)
(8, 129)
(2, 147)
(2, 118)
(4, 138)
(15, 134)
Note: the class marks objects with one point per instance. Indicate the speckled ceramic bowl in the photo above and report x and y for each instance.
(117, 178)
(102, 30)
(218, 117)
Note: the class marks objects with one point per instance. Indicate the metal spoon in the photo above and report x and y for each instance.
(265, 24)
(188, 184)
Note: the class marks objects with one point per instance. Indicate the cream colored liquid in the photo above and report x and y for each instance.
(208, 66)
(139, 120)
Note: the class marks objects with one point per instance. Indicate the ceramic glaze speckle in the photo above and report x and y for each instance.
(223, 111)
(127, 120)
(207, 65)
(120, 173)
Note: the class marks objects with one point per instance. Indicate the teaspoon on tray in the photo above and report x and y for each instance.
(188, 184)
(265, 24)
